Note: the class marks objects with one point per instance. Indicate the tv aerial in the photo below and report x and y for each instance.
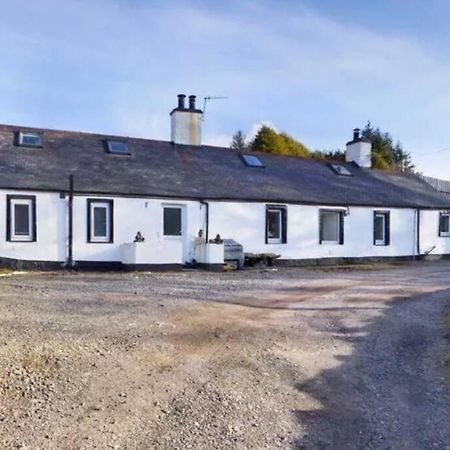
(209, 98)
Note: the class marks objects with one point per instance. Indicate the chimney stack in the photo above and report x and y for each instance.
(186, 124)
(359, 150)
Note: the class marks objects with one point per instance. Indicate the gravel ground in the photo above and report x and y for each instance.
(290, 358)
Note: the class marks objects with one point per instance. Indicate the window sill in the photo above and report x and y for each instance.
(330, 243)
(15, 240)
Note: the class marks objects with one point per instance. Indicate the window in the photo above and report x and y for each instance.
(21, 218)
(172, 221)
(331, 227)
(276, 224)
(252, 161)
(100, 221)
(26, 139)
(444, 224)
(341, 170)
(381, 228)
(117, 147)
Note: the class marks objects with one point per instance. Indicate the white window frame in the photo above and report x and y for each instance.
(21, 237)
(444, 233)
(23, 134)
(383, 216)
(107, 206)
(337, 214)
(277, 240)
(173, 236)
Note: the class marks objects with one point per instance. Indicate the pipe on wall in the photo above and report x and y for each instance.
(418, 231)
(206, 204)
(70, 224)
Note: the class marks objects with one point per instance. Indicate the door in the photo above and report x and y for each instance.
(174, 233)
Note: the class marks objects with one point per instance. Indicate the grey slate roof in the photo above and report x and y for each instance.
(163, 169)
(438, 184)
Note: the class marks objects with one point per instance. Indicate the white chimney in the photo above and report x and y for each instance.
(359, 150)
(186, 123)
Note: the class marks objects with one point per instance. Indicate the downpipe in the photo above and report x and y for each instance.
(206, 204)
(418, 233)
(70, 225)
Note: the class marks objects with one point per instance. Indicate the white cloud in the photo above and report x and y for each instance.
(220, 140)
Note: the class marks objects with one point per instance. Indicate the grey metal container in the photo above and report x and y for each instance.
(234, 252)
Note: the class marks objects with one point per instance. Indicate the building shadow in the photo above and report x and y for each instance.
(389, 393)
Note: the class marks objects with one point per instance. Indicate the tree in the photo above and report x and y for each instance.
(403, 159)
(293, 147)
(385, 154)
(330, 155)
(239, 141)
(268, 140)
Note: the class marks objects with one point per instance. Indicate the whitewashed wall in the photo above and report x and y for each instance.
(429, 236)
(137, 214)
(51, 222)
(186, 127)
(245, 222)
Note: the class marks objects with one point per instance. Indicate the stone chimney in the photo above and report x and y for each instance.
(186, 123)
(359, 150)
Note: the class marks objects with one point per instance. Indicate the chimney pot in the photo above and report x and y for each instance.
(356, 134)
(192, 102)
(181, 98)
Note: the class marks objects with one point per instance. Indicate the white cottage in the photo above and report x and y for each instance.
(74, 199)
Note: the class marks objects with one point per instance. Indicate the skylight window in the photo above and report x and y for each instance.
(27, 139)
(252, 161)
(341, 170)
(117, 147)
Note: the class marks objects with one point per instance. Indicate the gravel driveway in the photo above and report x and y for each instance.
(288, 358)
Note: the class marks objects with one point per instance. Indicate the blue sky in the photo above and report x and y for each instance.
(313, 69)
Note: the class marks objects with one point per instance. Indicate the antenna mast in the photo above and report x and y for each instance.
(207, 99)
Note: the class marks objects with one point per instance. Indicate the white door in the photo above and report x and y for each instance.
(174, 225)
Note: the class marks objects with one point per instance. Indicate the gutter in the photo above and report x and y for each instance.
(206, 219)
(230, 199)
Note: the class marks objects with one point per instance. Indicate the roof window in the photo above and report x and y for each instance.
(252, 161)
(341, 170)
(117, 147)
(29, 139)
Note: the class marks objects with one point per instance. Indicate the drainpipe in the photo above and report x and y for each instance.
(207, 219)
(70, 217)
(418, 232)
